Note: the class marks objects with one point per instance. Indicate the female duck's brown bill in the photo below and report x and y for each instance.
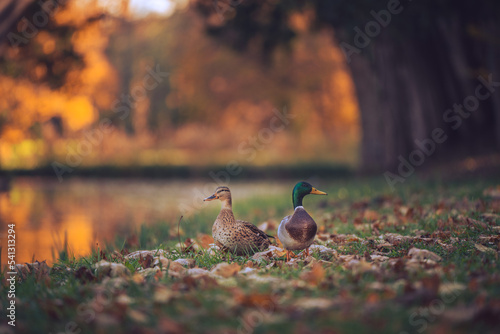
(211, 198)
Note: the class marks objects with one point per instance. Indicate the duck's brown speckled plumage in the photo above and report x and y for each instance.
(233, 235)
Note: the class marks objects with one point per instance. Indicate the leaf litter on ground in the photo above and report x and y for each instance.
(369, 258)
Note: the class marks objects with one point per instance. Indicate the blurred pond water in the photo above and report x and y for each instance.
(94, 211)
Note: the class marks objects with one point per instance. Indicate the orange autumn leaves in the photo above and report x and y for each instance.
(179, 123)
(33, 108)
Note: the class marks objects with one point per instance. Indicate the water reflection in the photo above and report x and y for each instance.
(94, 210)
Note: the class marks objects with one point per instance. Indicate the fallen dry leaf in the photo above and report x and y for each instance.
(213, 249)
(470, 222)
(226, 270)
(371, 215)
(189, 263)
(313, 303)
(124, 300)
(384, 245)
(451, 288)
(271, 252)
(246, 270)
(162, 294)
(278, 242)
(484, 249)
(149, 272)
(379, 258)
(277, 251)
(359, 266)
(405, 211)
(189, 245)
(347, 258)
(423, 254)
(315, 275)
(261, 300)
(143, 253)
(117, 256)
(105, 268)
(137, 316)
(265, 255)
(394, 238)
(491, 217)
(323, 250)
(321, 236)
(175, 267)
(40, 270)
(493, 192)
(146, 261)
(205, 240)
(159, 275)
(414, 265)
(138, 278)
(195, 272)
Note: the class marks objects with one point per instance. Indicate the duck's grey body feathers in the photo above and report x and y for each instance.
(297, 231)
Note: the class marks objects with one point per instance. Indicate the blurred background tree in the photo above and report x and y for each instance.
(427, 58)
(230, 63)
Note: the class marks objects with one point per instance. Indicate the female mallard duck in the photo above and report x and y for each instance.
(297, 231)
(233, 235)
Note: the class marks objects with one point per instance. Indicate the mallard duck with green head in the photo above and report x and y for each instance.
(298, 230)
(237, 236)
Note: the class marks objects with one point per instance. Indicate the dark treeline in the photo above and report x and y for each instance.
(416, 65)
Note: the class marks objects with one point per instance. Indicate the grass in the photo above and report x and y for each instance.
(348, 293)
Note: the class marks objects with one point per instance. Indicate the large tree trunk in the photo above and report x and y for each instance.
(404, 89)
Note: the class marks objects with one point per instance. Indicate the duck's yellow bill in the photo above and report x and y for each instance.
(210, 198)
(317, 192)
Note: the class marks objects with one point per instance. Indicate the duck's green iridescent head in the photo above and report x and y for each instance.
(302, 189)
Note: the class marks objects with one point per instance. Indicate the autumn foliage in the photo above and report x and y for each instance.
(205, 105)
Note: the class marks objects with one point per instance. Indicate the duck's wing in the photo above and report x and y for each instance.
(300, 226)
(254, 229)
(282, 232)
(285, 220)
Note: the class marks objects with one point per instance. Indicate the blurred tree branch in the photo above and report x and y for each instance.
(11, 12)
